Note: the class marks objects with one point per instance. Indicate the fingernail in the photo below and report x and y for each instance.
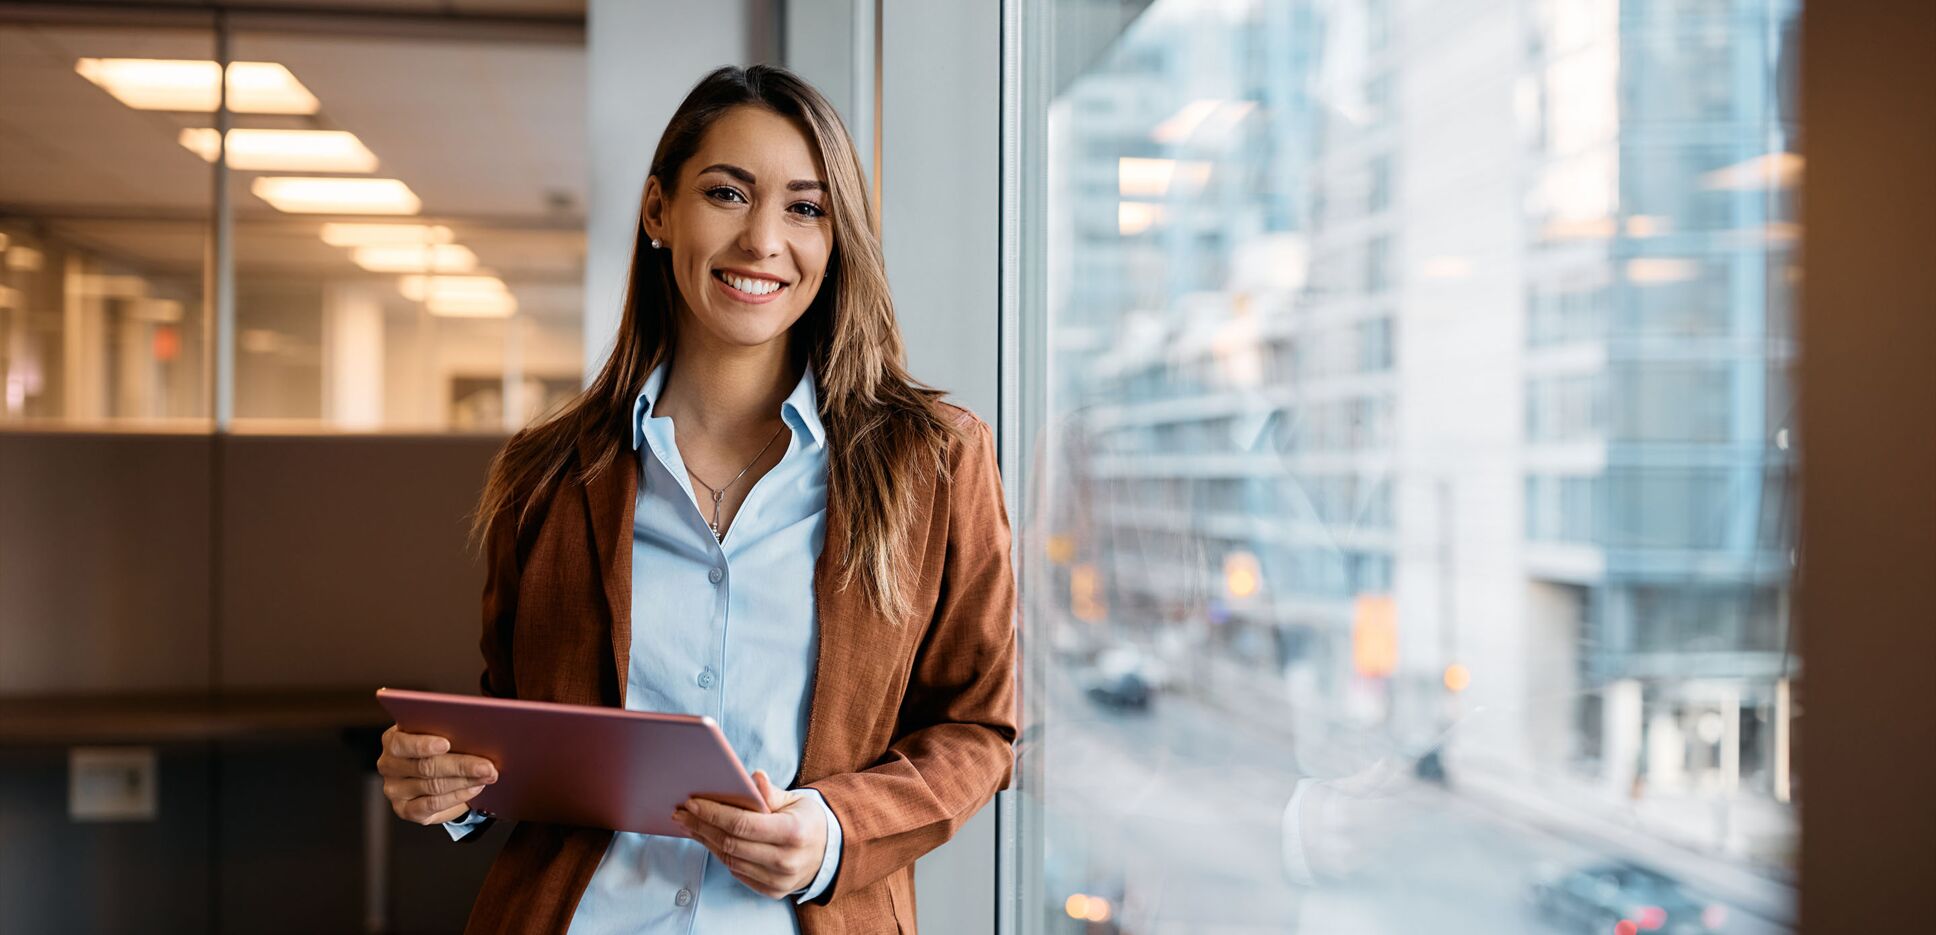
(440, 746)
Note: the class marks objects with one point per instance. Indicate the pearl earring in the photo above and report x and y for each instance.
(656, 244)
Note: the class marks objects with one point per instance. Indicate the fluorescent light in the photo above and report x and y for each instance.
(1208, 120)
(1135, 217)
(23, 259)
(480, 306)
(1659, 270)
(1641, 226)
(419, 288)
(342, 234)
(308, 195)
(416, 258)
(284, 150)
(1185, 122)
(192, 85)
(461, 296)
(1149, 177)
(1774, 170)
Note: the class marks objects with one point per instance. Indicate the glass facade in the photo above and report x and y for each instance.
(1416, 450)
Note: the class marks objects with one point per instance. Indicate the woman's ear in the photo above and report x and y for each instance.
(652, 209)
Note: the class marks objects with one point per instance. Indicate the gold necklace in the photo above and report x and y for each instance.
(719, 492)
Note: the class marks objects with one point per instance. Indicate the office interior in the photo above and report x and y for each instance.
(1505, 417)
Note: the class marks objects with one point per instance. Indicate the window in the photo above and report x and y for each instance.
(1506, 500)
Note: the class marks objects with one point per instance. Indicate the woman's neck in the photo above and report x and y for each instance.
(726, 391)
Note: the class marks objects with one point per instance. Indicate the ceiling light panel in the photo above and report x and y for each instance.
(193, 85)
(283, 150)
(313, 195)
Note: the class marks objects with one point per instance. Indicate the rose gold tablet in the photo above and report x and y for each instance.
(579, 765)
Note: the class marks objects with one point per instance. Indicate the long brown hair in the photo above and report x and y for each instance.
(882, 425)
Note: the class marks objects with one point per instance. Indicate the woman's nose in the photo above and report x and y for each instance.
(761, 237)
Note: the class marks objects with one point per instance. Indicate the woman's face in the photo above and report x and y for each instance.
(749, 226)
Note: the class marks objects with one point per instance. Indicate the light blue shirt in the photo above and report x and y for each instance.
(726, 629)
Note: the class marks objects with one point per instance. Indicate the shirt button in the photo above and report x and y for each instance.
(706, 677)
(683, 897)
(715, 575)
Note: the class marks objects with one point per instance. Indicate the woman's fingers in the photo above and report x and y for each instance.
(776, 799)
(729, 847)
(770, 827)
(456, 764)
(428, 809)
(425, 782)
(450, 814)
(413, 746)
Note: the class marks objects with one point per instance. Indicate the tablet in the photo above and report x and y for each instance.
(579, 765)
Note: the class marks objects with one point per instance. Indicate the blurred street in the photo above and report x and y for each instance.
(1174, 814)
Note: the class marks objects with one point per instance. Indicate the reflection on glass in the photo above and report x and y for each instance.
(408, 240)
(439, 287)
(102, 231)
(1411, 547)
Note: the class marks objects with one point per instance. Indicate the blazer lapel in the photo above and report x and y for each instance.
(610, 500)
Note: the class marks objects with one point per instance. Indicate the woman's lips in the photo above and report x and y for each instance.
(740, 295)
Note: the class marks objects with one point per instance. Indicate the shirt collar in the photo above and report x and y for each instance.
(803, 404)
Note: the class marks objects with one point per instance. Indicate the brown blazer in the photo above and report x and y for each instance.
(911, 724)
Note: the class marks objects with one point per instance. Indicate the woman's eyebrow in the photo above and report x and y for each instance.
(797, 185)
(732, 170)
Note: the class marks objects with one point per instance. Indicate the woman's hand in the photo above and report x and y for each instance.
(774, 854)
(425, 782)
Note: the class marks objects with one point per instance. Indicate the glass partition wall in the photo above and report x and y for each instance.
(374, 252)
(103, 230)
(1410, 464)
(401, 240)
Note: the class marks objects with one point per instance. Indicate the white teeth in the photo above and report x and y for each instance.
(753, 286)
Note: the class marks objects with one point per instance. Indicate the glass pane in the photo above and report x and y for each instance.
(104, 221)
(410, 255)
(1409, 537)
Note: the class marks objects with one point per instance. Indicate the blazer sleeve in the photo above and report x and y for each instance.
(954, 747)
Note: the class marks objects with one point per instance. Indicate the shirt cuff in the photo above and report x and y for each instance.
(830, 863)
(465, 826)
(1297, 865)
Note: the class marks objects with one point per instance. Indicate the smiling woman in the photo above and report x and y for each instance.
(867, 676)
(741, 242)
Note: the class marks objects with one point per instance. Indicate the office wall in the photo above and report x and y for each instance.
(345, 562)
(229, 603)
(104, 561)
(341, 562)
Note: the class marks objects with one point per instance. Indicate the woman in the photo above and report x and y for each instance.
(818, 558)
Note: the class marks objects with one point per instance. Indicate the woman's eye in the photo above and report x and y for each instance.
(724, 193)
(809, 209)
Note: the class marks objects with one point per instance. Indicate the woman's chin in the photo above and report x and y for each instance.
(746, 329)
